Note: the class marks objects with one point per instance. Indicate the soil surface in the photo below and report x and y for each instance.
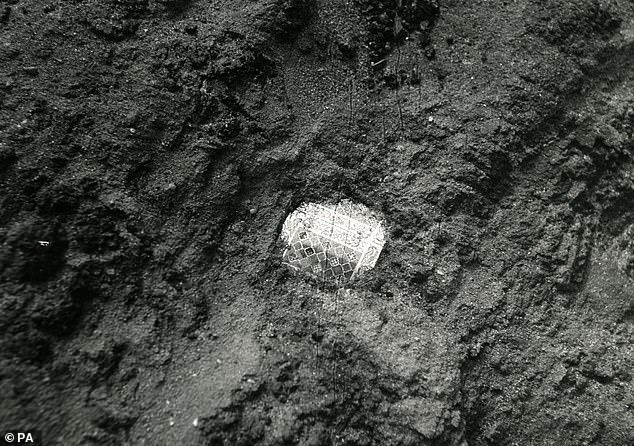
(150, 151)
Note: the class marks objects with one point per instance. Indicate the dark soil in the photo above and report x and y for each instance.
(151, 149)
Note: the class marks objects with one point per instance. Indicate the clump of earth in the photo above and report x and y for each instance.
(151, 150)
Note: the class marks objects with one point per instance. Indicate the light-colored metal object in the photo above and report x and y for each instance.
(332, 242)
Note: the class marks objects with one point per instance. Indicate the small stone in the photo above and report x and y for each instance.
(253, 211)
(31, 71)
(195, 422)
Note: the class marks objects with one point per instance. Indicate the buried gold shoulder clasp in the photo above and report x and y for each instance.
(332, 242)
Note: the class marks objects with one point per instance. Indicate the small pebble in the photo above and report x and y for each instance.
(31, 71)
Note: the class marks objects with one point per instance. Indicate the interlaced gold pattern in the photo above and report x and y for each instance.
(332, 242)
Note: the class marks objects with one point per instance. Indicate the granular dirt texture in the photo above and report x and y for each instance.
(150, 151)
